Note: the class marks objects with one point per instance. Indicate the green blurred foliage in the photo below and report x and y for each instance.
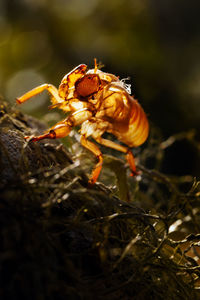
(155, 43)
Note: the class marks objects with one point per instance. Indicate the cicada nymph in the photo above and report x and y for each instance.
(98, 102)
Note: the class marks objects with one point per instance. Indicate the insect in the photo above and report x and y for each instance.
(99, 102)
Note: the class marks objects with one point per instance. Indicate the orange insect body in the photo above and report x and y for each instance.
(99, 102)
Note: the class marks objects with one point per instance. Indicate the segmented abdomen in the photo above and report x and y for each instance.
(134, 132)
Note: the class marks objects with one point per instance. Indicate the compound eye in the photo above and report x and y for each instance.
(87, 85)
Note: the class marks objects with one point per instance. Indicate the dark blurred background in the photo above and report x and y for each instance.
(155, 43)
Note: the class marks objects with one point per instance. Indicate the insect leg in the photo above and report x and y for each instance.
(129, 155)
(37, 90)
(95, 150)
(60, 130)
(131, 160)
(63, 128)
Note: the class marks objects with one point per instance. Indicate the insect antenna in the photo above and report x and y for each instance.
(95, 65)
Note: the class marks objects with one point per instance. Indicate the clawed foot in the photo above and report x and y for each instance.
(135, 173)
(50, 135)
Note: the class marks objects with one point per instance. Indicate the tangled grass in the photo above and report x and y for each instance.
(63, 240)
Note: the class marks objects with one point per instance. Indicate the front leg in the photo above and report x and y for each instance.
(63, 128)
(37, 90)
(60, 130)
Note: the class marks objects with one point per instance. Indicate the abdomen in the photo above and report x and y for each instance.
(134, 131)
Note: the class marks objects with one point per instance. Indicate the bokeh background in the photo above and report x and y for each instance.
(155, 43)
